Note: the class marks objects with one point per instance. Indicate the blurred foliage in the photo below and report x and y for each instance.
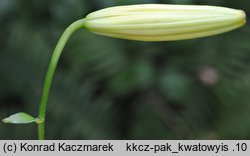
(108, 88)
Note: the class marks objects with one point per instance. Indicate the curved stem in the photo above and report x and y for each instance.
(50, 74)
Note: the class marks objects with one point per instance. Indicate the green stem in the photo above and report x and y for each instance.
(50, 73)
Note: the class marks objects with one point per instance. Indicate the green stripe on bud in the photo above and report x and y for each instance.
(161, 22)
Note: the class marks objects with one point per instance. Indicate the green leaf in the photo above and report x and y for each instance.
(20, 118)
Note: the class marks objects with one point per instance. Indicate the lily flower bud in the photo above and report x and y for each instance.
(162, 22)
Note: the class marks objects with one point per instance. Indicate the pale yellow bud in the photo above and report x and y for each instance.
(161, 22)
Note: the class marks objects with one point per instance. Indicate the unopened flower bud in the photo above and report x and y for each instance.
(161, 22)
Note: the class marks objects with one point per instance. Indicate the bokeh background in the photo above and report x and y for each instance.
(107, 88)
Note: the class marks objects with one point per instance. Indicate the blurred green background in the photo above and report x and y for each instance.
(107, 88)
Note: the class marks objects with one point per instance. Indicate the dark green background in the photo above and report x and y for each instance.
(107, 88)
